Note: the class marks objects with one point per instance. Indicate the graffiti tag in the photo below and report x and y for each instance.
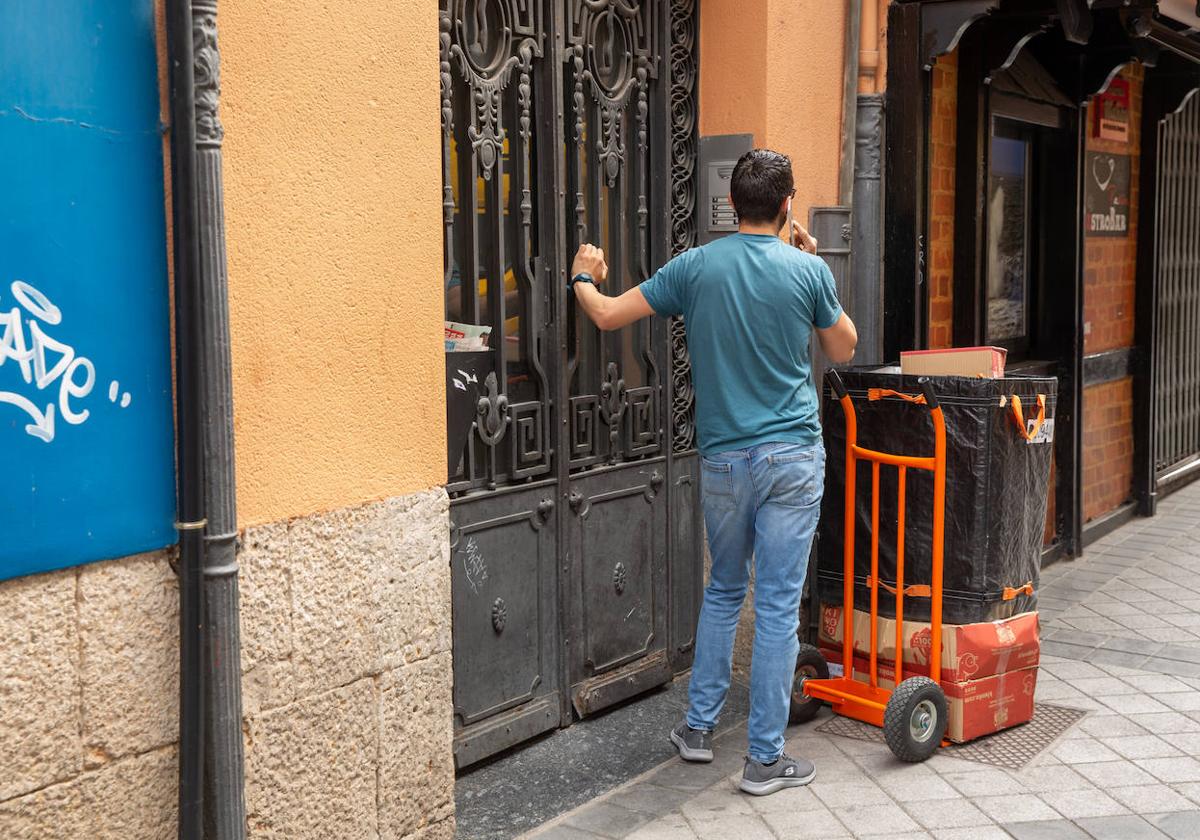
(473, 565)
(56, 372)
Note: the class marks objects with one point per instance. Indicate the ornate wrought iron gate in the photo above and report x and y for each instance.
(575, 538)
(1177, 355)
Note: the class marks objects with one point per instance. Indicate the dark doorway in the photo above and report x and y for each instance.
(1016, 278)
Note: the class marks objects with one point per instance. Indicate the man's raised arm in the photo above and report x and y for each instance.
(607, 313)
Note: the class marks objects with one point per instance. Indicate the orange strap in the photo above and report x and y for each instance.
(917, 590)
(1024, 589)
(1019, 416)
(879, 393)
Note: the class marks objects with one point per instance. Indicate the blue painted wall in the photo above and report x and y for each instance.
(86, 429)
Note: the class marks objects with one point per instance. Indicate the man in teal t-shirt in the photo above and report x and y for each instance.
(751, 303)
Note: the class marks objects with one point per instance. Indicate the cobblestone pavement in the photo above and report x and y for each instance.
(1121, 639)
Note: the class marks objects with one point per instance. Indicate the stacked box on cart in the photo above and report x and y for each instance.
(976, 707)
(969, 651)
(996, 493)
(988, 669)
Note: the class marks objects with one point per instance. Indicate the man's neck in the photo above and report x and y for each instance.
(762, 228)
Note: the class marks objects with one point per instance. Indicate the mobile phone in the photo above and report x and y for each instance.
(790, 229)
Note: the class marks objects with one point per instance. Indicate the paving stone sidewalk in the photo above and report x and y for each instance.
(1121, 631)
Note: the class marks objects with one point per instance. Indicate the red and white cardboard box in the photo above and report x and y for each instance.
(977, 707)
(969, 651)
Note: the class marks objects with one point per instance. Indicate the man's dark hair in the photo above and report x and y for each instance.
(761, 181)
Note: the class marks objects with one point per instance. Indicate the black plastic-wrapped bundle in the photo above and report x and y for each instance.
(996, 492)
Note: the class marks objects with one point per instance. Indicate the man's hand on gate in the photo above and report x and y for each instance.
(802, 239)
(590, 260)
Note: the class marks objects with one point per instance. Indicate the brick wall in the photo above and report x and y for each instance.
(1110, 274)
(1110, 263)
(1107, 446)
(942, 144)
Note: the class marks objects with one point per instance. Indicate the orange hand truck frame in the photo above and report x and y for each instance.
(913, 715)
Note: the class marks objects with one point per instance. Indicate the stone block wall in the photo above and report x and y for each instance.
(347, 685)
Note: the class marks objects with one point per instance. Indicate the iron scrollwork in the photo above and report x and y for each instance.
(206, 65)
(612, 404)
(493, 413)
(492, 273)
(613, 54)
(485, 38)
(683, 208)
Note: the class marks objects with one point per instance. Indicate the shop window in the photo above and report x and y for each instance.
(1009, 244)
(1025, 147)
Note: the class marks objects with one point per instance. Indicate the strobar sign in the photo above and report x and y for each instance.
(1106, 194)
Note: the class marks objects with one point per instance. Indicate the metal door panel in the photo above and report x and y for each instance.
(504, 595)
(617, 539)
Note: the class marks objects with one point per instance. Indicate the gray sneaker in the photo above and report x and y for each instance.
(693, 744)
(761, 779)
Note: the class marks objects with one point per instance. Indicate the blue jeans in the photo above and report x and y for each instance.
(761, 503)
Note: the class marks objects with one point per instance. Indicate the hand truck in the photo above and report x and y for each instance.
(914, 714)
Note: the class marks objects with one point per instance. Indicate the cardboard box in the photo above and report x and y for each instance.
(986, 362)
(977, 707)
(969, 651)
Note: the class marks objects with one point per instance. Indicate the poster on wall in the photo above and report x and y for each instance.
(1106, 194)
(1110, 112)
(86, 424)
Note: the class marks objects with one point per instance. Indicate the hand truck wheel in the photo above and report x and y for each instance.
(915, 719)
(810, 665)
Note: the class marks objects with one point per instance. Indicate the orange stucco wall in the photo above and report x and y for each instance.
(333, 220)
(773, 68)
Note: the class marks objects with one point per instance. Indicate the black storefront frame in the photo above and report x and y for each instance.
(1055, 335)
(1097, 40)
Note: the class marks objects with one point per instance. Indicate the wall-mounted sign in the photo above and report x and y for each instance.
(86, 431)
(1110, 112)
(1106, 194)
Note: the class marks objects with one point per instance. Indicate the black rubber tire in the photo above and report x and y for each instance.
(810, 664)
(915, 696)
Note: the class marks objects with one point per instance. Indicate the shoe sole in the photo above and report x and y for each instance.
(778, 783)
(689, 754)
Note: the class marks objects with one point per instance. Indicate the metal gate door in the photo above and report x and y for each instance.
(575, 538)
(1177, 355)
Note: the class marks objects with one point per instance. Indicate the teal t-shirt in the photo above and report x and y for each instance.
(750, 302)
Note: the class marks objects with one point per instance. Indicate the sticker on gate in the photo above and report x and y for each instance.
(1044, 434)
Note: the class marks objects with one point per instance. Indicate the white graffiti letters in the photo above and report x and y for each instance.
(44, 363)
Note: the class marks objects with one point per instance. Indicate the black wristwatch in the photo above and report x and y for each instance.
(581, 277)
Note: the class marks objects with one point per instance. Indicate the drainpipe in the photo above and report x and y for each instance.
(868, 56)
(202, 310)
(189, 413)
(225, 806)
(866, 233)
(849, 99)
